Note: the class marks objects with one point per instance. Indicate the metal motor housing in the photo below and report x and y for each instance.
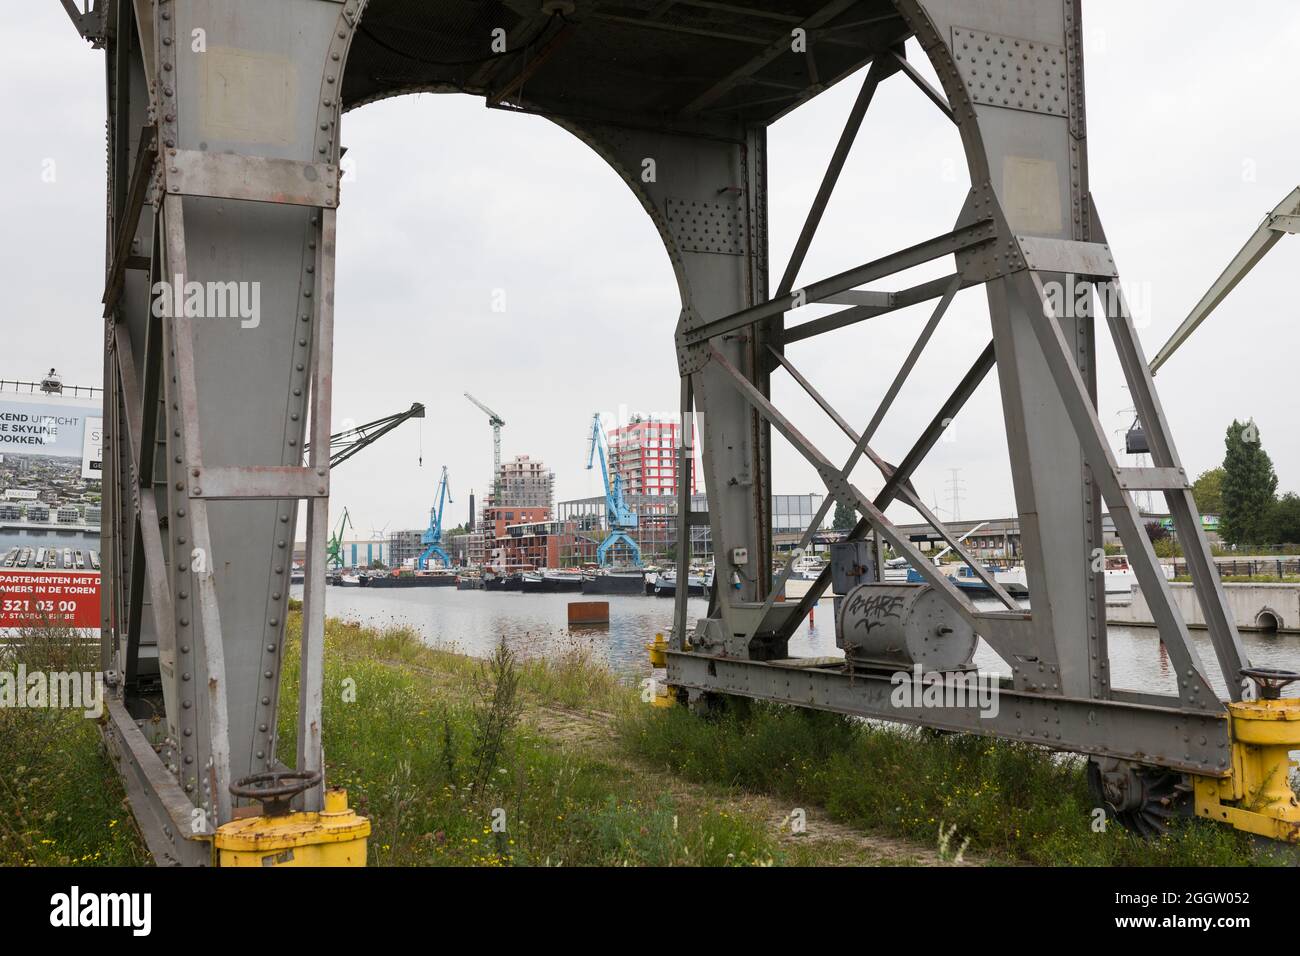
(899, 625)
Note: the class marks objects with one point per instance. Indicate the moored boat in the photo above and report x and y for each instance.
(502, 581)
(697, 583)
(419, 579)
(562, 579)
(614, 581)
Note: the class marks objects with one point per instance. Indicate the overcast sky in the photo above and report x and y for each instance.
(1192, 140)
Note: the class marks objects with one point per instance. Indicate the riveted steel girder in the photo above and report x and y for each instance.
(223, 183)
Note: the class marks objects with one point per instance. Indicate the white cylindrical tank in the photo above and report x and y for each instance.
(901, 625)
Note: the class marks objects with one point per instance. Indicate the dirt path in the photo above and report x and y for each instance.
(823, 841)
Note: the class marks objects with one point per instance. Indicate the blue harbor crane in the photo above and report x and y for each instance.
(618, 515)
(432, 538)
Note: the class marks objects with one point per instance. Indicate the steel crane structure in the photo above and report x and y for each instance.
(1282, 220)
(345, 444)
(496, 421)
(432, 538)
(618, 515)
(223, 167)
(334, 549)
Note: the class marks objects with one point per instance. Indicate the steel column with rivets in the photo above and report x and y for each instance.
(707, 198)
(233, 323)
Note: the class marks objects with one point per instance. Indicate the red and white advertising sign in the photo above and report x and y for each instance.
(29, 597)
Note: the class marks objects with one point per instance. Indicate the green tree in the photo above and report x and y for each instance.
(1249, 485)
(1284, 520)
(1207, 489)
(845, 517)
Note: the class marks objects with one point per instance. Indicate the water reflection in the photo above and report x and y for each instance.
(473, 622)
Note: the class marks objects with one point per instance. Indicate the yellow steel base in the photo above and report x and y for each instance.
(664, 695)
(1257, 797)
(658, 652)
(334, 837)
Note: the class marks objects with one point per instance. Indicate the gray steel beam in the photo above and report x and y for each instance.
(769, 53)
(852, 125)
(90, 21)
(837, 486)
(922, 84)
(162, 810)
(1193, 684)
(311, 757)
(685, 475)
(964, 237)
(1275, 225)
(145, 154)
(923, 292)
(647, 23)
(1172, 479)
(1185, 740)
(903, 472)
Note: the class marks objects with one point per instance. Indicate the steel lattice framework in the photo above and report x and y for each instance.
(224, 166)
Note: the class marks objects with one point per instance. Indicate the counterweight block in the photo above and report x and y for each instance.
(899, 625)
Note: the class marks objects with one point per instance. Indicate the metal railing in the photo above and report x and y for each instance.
(1256, 567)
(76, 391)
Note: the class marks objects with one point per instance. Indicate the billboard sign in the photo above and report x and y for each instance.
(42, 424)
(51, 462)
(28, 598)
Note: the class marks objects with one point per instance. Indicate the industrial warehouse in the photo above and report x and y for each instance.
(614, 435)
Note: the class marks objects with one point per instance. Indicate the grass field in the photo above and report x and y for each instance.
(510, 761)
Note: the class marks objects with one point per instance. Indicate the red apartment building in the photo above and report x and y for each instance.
(644, 452)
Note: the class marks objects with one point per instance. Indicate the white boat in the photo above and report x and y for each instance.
(896, 570)
(807, 567)
(1015, 580)
(1120, 579)
(698, 583)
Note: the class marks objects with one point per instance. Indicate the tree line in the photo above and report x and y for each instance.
(1243, 493)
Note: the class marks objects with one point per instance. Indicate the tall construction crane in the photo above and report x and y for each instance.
(345, 444)
(334, 550)
(432, 538)
(618, 515)
(496, 421)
